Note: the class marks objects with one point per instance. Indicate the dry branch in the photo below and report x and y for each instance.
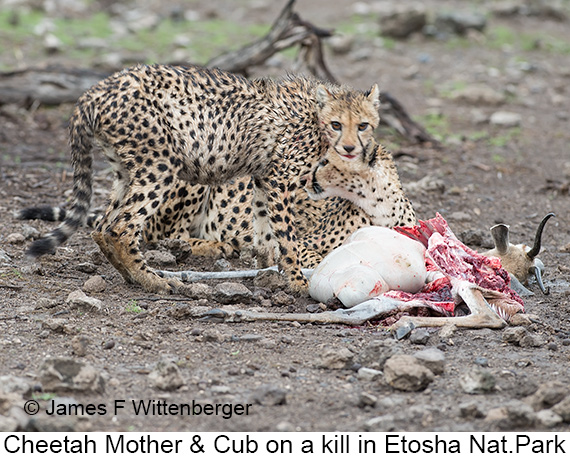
(52, 86)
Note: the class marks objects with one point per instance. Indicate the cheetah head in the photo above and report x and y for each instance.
(348, 118)
(335, 176)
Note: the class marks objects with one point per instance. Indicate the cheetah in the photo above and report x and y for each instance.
(339, 196)
(352, 193)
(159, 124)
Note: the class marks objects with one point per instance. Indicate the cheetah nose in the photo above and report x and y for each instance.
(348, 148)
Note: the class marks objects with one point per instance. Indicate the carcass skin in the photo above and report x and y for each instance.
(372, 261)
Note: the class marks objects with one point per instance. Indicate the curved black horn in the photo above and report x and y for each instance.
(537, 239)
(537, 272)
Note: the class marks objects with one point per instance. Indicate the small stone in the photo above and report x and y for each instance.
(460, 216)
(161, 259)
(30, 232)
(377, 352)
(86, 267)
(471, 409)
(15, 238)
(548, 418)
(314, 308)
(197, 291)
(366, 399)
(505, 8)
(52, 44)
(341, 44)
(518, 416)
(532, 340)
(562, 408)
(270, 279)
(166, 376)
(232, 292)
(427, 185)
(477, 381)
(402, 21)
(250, 337)
(9, 424)
(14, 384)
(513, 335)
(459, 22)
(433, 359)
(419, 336)
(336, 359)
(547, 395)
(69, 375)
(46, 303)
(383, 423)
(505, 119)
(94, 284)
(78, 299)
(55, 324)
(404, 372)
(269, 395)
(282, 299)
(285, 426)
(482, 361)
(79, 345)
(212, 335)
(368, 374)
(479, 95)
(222, 265)
(109, 344)
(521, 319)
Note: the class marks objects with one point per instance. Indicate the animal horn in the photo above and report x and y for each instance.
(537, 272)
(500, 234)
(537, 239)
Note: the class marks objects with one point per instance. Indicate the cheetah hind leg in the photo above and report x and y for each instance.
(118, 236)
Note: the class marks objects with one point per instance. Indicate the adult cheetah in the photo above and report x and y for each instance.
(159, 123)
(339, 197)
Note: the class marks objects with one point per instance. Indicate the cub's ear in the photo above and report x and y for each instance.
(374, 96)
(323, 95)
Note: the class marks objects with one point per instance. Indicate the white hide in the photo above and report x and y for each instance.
(372, 261)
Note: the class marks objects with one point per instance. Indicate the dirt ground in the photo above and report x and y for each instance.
(489, 173)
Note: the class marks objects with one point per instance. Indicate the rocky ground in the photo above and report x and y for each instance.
(492, 86)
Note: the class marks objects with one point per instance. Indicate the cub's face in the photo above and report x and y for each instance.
(336, 176)
(348, 119)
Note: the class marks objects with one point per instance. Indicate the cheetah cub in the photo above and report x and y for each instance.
(159, 124)
(357, 192)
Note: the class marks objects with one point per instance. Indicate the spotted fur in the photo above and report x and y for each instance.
(351, 194)
(176, 134)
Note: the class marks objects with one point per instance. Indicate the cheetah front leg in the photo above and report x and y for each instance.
(265, 245)
(275, 226)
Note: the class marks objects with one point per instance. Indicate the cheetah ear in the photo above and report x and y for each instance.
(323, 95)
(373, 95)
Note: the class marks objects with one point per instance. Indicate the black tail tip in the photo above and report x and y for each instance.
(40, 247)
(44, 213)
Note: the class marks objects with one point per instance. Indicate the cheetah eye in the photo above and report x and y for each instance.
(336, 125)
(363, 126)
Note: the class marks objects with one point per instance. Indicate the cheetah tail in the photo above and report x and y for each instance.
(81, 141)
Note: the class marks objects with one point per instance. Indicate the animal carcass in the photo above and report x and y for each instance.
(421, 266)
